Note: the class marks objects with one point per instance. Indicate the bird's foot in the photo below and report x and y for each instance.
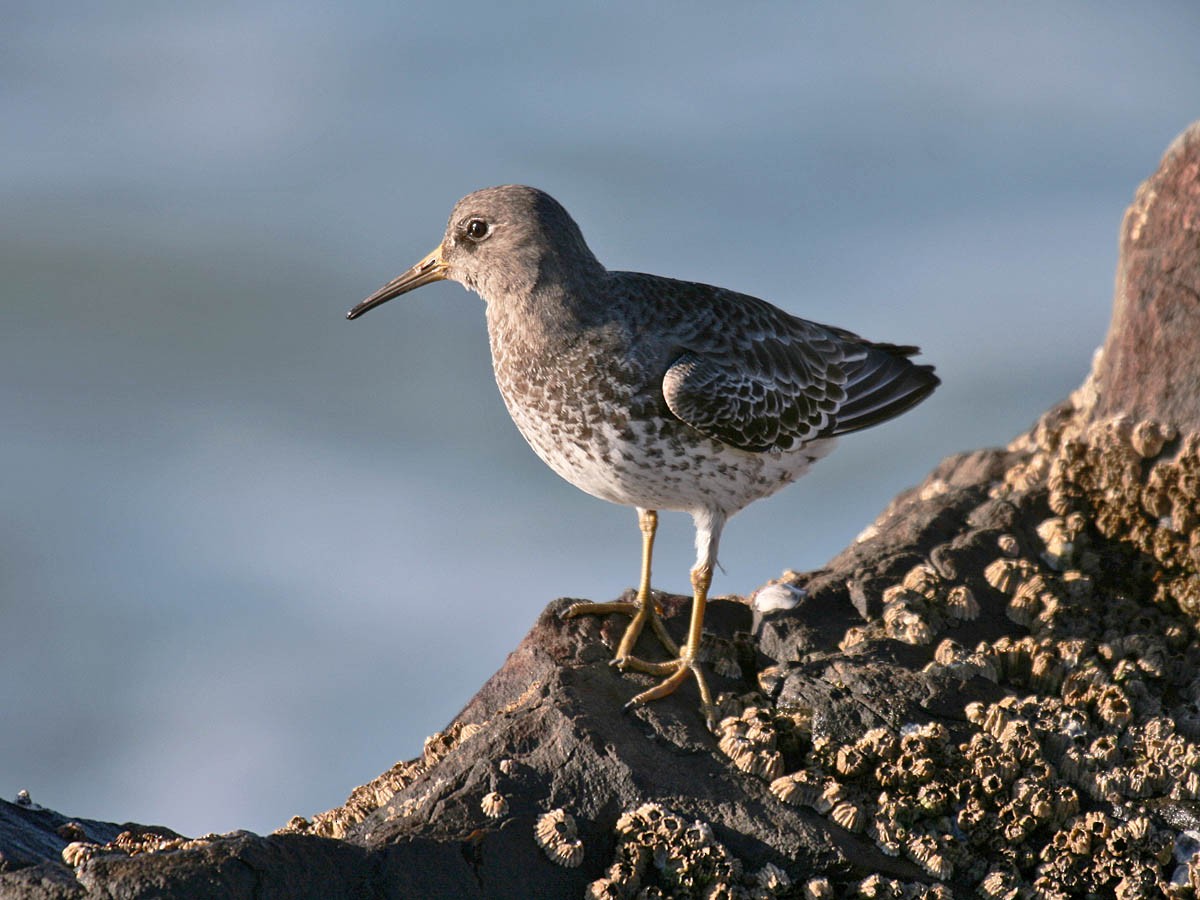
(677, 671)
(646, 610)
(642, 610)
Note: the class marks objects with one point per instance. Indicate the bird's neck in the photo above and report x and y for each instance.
(547, 315)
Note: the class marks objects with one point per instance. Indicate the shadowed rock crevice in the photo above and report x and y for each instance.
(992, 691)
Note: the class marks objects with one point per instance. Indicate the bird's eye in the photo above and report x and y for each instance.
(477, 229)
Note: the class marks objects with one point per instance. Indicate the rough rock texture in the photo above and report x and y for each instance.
(992, 692)
(1150, 367)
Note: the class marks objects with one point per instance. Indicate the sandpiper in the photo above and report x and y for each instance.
(652, 392)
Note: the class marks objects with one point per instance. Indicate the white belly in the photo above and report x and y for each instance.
(651, 467)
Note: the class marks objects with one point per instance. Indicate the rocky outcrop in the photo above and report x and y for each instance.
(993, 690)
(1150, 367)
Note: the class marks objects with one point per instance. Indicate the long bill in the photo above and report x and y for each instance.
(431, 268)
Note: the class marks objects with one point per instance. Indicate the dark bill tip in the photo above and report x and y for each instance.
(431, 268)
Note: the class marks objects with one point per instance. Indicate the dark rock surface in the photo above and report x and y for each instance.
(991, 691)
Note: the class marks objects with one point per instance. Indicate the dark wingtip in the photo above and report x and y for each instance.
(927, 375)
(894, 386)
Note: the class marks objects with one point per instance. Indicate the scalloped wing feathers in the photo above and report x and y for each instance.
(771, 381)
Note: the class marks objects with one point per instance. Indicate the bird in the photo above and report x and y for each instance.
(653, 392)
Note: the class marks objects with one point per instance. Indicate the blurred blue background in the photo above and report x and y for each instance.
(251, 554)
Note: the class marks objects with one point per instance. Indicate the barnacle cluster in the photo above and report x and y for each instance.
(1119, 594)
(1058, 789)
(759, 738)
(924, 603)
(1136, 487)
(877, 887)
(134, 842)
(661, 854)
(1007, 805)
(380, 791)
(890, 786)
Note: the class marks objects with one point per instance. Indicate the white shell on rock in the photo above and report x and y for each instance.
(774, 597)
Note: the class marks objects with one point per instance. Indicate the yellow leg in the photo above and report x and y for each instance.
(687, 662)
(709, 523)
(643, 609)
(648, 522)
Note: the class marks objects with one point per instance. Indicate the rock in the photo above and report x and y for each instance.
(1149, 368)
(992, 690)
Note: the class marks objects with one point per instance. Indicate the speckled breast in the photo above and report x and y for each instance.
(595, 415)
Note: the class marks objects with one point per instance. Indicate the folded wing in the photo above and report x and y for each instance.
(792, 384)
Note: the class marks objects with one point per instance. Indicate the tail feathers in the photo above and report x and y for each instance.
(884, 384)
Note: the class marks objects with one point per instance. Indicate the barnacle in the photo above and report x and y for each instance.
(961, 605)
(948, 652)
(644, 816)
(879, 887)
(494, 805)
(933, 798)
(750, 741)
(1113, 706)
(887, 834)
(557, 835)
(140, 840)
(1024, 607)
(922, 579)
(1046, 672)
(1029, 599)
(1000, 884)
(727, 666)
(850, 816)
(605, 889)
(438, 745)
(1005, 573)
(851, 761)
(855, 635)
(880, 743)
(77, 853)
(772, 878)
(803, 788)
(829, 797)
(904, 619)
(1059, 535)
(926, 852)
(1149, 436)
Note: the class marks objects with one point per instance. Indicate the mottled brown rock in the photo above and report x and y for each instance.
(1150, 368)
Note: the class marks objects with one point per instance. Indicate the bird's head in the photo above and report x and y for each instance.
(499, 242)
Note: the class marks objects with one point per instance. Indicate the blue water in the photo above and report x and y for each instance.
(251, 554)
